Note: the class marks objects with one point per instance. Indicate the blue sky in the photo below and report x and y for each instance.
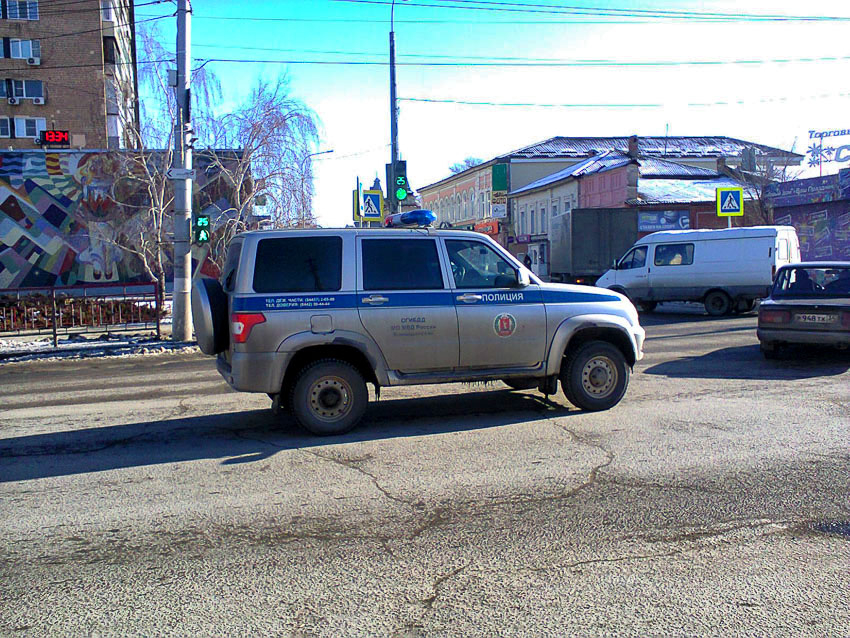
(352, 101)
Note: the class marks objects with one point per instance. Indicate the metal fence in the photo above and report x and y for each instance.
(85, 308)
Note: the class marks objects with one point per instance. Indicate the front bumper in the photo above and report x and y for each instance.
(640, 336)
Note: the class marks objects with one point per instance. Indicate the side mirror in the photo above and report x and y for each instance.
(522, 278)
(614, 265)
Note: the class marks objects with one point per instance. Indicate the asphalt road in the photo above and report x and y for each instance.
(141, 496)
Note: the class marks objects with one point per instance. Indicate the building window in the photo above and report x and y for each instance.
(111, 53)
(521, 223)
(106, 11)
(532, 215)
(18, 10)
(3, 92)
(27, 88)
(543, 228)
(23, 49)
(29, 126)
(4, 127)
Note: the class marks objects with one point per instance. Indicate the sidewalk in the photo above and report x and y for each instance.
(40, 347)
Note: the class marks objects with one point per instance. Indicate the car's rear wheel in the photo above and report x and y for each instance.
(595, 376)
(718, 303)
(770, 351)
(329, 397)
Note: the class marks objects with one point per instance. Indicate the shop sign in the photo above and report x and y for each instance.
(488, 228)
(523, 239)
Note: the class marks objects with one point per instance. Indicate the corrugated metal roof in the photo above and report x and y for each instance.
(652, 167)
(680, 191)
(598, 164)
(659, 146)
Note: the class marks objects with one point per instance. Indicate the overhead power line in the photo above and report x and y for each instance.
(475, 5)
(460, 60)
(612, 105)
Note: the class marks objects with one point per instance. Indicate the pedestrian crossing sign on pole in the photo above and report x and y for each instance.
(730, 202)
(372, 206)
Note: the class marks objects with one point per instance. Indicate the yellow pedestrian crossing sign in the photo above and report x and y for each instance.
(372, 207)
(730, 201)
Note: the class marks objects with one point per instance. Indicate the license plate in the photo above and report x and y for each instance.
(816, 318)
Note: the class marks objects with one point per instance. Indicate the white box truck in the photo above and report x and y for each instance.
(726, 269)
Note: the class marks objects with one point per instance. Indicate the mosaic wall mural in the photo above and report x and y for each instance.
(61, 223)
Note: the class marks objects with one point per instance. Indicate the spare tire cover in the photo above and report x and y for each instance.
(209, 314)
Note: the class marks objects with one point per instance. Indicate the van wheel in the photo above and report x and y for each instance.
(595, 376)
(745, 305)
(646, 306)
(329, 397)
(718, 303)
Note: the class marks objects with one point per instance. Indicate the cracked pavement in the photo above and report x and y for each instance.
(142, 496)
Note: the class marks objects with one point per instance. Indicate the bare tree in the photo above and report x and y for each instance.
(757, 172)
(468, 163)
(274, 133)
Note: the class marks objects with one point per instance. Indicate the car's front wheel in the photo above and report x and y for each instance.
(595, 376)
(329, 397)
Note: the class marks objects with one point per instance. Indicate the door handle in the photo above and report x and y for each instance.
(375, 300)
(470, 298)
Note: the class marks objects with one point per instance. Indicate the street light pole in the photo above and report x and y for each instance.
(394, 204)
(301, 170)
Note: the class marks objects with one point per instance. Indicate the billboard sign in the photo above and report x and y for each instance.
(663, 220)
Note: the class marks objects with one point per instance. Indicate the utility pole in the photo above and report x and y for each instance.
(181, 164)
(394, 205)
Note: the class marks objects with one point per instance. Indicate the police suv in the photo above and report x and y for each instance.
(311, 316)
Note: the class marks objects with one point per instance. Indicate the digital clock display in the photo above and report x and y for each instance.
(60, 138)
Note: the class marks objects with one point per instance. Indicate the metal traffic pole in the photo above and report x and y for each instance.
(180, 174)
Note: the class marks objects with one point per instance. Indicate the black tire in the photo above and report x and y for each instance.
(771, 351)
(595, 377)
(209, 316)
(745, 305)
(328, 397)
(521, 384)
(718, 303)
(646, 306)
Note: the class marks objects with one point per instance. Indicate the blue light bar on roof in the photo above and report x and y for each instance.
(411, 219)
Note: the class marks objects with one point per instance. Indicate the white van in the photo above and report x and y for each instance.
(725, 269)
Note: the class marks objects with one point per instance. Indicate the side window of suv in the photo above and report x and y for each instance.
(401, 264)
(298, 264)
(228, 273)
(476, 265)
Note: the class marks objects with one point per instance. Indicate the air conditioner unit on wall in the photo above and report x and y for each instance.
(33, 61)
(13, 100)
(38, 100)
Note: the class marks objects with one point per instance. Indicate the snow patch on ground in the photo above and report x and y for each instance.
(16, 349)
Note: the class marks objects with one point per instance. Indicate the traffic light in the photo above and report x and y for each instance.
(400, 183)
(202, 229)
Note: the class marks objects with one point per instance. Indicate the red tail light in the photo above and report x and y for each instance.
(241, 324)
(774, 316)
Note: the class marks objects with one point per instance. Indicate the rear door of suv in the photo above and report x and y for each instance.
(405, 303)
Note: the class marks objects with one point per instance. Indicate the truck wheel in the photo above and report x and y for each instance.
(329, 397)
(595, 376)
(718, 303)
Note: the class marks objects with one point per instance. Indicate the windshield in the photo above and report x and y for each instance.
(822, 281)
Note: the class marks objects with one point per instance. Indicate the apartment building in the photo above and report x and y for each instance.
(68, 67)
